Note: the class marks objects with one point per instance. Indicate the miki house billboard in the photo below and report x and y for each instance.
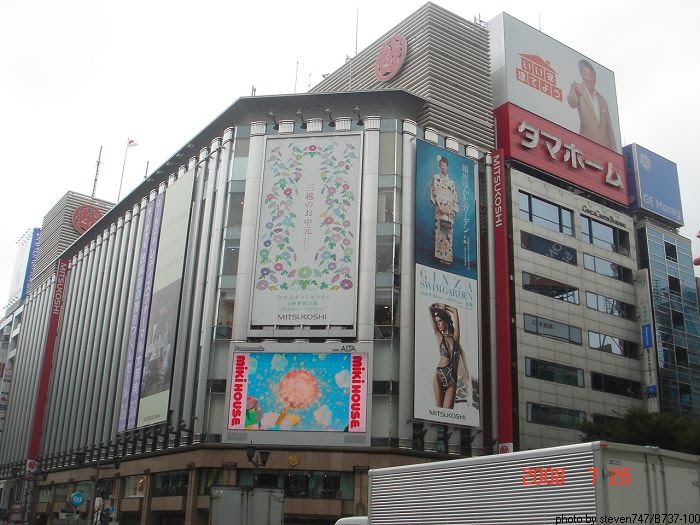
(551, 80)
(653, 182)
(312, 387)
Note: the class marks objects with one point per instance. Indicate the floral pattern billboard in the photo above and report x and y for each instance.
(307, 246)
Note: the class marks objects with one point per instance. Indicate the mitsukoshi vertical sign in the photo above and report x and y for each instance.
(446, 302)
(308, 232)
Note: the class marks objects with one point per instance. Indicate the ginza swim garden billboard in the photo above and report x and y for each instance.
(446, 297)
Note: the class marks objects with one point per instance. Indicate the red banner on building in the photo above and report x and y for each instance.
(560, 152)
(45, 371)
(501, 248)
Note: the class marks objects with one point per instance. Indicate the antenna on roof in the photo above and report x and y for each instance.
(296, 75)
(357, 24)
(97, 173)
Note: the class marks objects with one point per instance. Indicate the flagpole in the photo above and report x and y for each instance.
(129, 143)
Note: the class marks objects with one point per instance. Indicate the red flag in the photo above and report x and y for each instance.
(131, 143)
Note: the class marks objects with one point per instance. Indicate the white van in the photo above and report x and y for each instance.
(352, 520)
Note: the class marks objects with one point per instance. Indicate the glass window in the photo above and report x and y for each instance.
(45, 494)
(134, 486)
(267, 479)
(610, 306)
(385, 205)
(325, 485)
(548, 248)
(605, 236)
(207, 478)
(674, 284)
(553, 329)
(296, 484)
(604, 267)
(85, 487)
(230, 261)
(61, 492)
(235, 209)
(546, 214)
(104, 488)
(386, 307)
(302, 484)
(677, 319)
(681, 356)
(616, 385)
(604, 419)
(548, 371)
(554, 416)
(170, 483)
(388, 254)
(613, 345)
(670, 251)
(685, 394)
(550, 288)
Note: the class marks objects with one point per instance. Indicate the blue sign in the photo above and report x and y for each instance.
(76, 499)
(647, 341)
(651, 390)
(653, 183)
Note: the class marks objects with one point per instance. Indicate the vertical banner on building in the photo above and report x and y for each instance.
(25, 259)
(135, 316)
(145, 310)
(308, 387)
(447, 324)
(5, 383)
(501, 255)
(165, 305)
(47, 360)
(649, 360)
(308, 232)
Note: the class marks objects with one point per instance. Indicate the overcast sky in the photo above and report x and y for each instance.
(79, 74)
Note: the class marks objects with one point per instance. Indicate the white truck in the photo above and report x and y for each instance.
(595, 482)
(231, 505)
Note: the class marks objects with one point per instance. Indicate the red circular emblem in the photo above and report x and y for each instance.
(390, 58)
(84, 217)
(503, 449)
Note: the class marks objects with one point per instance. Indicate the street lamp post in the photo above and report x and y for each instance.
(260, 461)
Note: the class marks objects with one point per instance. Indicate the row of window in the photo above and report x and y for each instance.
(572, 334)
(296, 484)
(569, 375)
(555, 416)
(568, 255)
(570, 294)
(560, 219)
(301, 484)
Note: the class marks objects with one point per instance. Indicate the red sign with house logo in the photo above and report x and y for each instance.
(537, 73)
(556, 150)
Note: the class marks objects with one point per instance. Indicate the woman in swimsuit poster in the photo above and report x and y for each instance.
(451, 367)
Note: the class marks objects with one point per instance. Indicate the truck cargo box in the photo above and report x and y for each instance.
(582, 483)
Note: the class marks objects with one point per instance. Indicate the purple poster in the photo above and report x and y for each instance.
(135, 315)
(145, 310)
